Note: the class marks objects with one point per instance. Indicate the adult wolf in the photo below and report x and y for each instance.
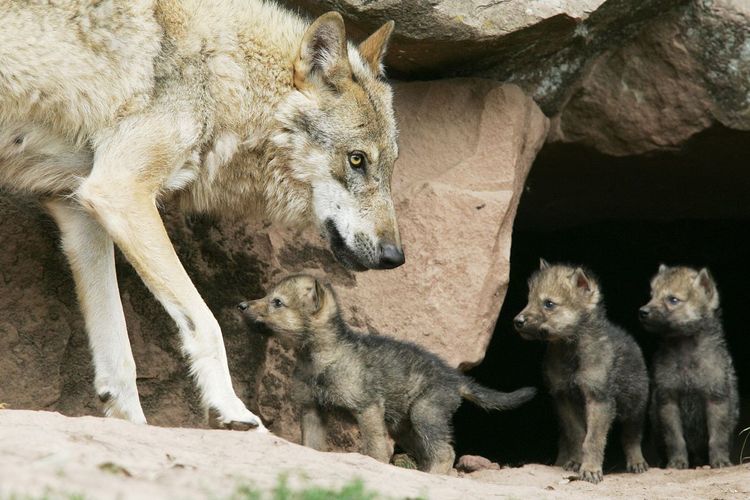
(228, 106)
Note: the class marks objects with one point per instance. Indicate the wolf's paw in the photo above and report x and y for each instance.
(122, 404)
(237, 419)
(591, 474)
(404, 461)
(718, 463)
(572, 465)
(637, 468)
(677, 463)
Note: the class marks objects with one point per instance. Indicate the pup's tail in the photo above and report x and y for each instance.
(495, 400)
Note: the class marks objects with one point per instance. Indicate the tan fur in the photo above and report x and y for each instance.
(694, 402)
(391, 387)
(106, 107)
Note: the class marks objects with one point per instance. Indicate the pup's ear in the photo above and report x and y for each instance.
(705, 282)
(374, 48)
(543, 264)
(662, 268)
(581, 281)
(323, 52)
(316, 295)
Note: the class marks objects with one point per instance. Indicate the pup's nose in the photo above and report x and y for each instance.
(643, 312)
(391, 256)
(519, 321)
(242, 306)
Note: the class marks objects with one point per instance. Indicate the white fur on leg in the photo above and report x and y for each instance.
(203, 344)
(90, 252)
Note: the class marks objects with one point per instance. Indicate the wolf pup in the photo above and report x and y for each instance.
(391, 387)
(694, 403)
(595, 370)
(240, 108)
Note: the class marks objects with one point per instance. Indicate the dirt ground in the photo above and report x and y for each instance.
(47, 454)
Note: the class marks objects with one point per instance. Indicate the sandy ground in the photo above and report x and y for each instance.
(42, 452)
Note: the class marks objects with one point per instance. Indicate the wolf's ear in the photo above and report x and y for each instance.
(373, 49)
(662, 268)
(323, 51)
(316, 294)
(543, 264)
(705, 282)
(581, 281)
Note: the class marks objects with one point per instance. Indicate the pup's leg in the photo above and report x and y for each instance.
(668, 413)
(599, 416)
(431, 438)
(572, 433)
(371, 422)
(132, 163)
(313, 428)
(719, 421)
(90, 252)
(632, 435)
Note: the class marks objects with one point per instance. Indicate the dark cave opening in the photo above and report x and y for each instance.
(621, 217)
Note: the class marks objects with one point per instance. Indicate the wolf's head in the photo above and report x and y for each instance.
(679, 296)
(296, 310)
(339, 134)
(559, 297)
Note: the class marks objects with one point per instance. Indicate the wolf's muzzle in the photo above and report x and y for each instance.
(388, 255)
(391, 256)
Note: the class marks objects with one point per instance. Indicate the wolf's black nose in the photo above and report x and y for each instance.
(643, 312)
(519, 321)
(242, 306)
(391, 256)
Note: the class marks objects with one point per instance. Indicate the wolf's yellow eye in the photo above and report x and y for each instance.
(357, 159)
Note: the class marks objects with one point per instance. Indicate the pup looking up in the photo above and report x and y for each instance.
(390, 387)
(694, 404)
(594, 370)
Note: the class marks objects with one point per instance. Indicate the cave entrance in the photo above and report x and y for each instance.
(620, 216)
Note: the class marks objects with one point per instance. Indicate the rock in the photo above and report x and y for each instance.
(473, 463)
(681, 74)
(466, 147)
(541, 46)
(51, 456)
(625, 77)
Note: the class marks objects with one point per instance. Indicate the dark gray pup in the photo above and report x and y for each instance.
(391, 387)
(594, 370)
(694, 404)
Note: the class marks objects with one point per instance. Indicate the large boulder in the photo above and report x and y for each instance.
(623, 76)
(542, 46)
(465, 149)
(684, 72)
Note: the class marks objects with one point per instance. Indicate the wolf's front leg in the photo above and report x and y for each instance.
(313, 428)
(668, 413)
(90, 252)
(599, 416)
(132, 164)
(720, 427)
(371, 422)
(572, 433)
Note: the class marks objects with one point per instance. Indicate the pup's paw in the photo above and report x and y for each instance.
(591, 474)
(677, 463)
(572, 465)
(637, 468)
(718, 463)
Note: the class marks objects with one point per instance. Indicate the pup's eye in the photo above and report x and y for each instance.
(277, 303)
(673, 300)
(548, 304)
(357, 159)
